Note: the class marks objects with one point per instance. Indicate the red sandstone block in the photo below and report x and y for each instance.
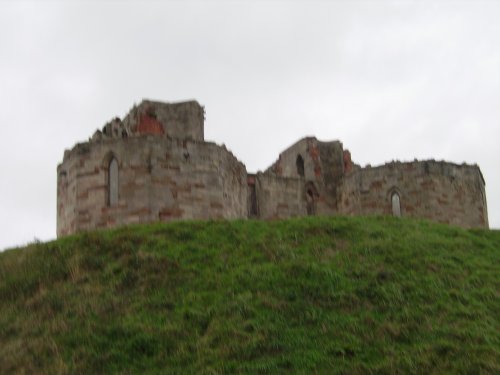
(347, 161)
(149, 125)
(141, 211)
(314, 153)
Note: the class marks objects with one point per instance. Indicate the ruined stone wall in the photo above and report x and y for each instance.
(159, 179)
(279, 197)
(331, 156)
(438, 191)
(66, 197)
(183, 120)
(286, 165)
(322, 172)
(166, 171)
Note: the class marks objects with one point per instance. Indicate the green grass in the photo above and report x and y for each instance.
(313, 295)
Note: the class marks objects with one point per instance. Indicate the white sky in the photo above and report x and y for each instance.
(390, 79)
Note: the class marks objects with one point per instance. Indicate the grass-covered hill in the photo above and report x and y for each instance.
(313, 295)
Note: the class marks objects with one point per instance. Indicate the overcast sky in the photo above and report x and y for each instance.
(392, 80)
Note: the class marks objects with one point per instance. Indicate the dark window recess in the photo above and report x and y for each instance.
(253, 201)
(113, 182)
(300, 165)
(311, 198)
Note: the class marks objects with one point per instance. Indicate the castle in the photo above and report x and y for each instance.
(155, 165)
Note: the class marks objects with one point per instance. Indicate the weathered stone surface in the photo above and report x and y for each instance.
(440, 191)
(166, 171)
(200, 180)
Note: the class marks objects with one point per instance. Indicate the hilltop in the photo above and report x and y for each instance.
(310, 295)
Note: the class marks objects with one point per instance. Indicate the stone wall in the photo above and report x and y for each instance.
(323, 168)
(183, 121)
(439, 191)
(166, 171)
(279, 197)
(66, 197)
(159, 179)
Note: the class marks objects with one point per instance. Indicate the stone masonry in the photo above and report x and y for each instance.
(154, 165)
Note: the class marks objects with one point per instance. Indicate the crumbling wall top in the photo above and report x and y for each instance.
(182, 120)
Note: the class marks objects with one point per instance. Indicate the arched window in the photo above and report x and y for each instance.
(396, 204)
(300, 165)
(113, 182)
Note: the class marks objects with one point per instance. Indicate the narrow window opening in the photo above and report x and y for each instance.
(311, 198)
(253, 201)
(300, 165)
(113, 182)
(310, 206)
(396, 204)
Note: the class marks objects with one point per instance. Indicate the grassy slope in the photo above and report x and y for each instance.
(313, 295)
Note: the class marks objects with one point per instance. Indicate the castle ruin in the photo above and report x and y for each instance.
(155, 165)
